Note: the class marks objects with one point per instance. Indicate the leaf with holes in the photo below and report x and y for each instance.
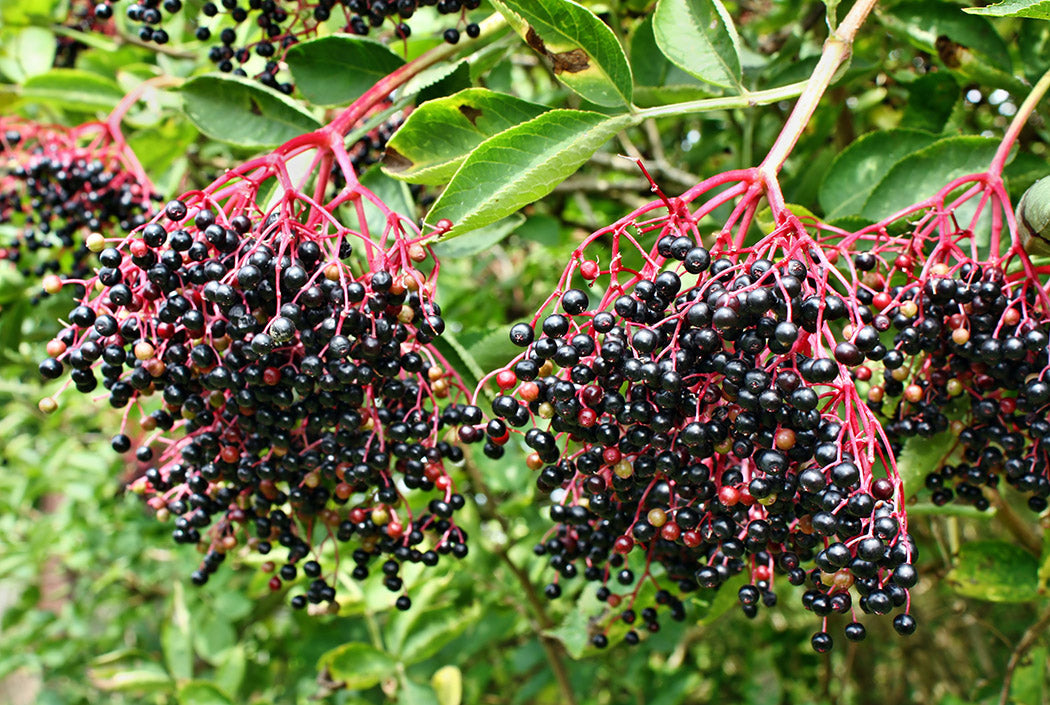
(583, 52)
(439, 134)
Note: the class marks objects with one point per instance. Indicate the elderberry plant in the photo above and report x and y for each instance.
(344, 307)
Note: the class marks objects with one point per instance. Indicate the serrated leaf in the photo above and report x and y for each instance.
(996, 571)
(480, 239)
(447, 683)
(358, 665)
(698, 36)
(73, 89)
(521, 165)
(338, 69)
(439, 134)
(583, 52)
(859, 168)
(921, 174)
(242, 112)
(202, 693)
(920, 457)
(1033, 9)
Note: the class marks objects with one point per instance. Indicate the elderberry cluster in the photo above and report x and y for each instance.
(295, 406)
(54, 192)
(692, 427)
(268, 28)
(968, 345)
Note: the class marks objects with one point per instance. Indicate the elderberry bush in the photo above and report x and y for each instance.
(279, 392)
(698, 422)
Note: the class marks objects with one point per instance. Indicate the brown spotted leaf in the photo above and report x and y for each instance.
(581, 49)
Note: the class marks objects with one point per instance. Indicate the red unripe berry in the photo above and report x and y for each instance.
(506, 379)
(271, 376)
(670, 532)
(623, 544)
(138, 248)
(728, 496)
(587, 418)
(1008, 406)
(692, 539)
(881, 300)
(611, 455)
(443, 482)
(529, 391)
(589, 270)
(863, 373)
(229, 454)
(275, 583)
(760, 573)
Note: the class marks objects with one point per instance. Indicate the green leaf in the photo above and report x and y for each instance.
(229, 673)
(431, 630)
(146, 677)
(412, 693)
(931, 99)
(712, 606)
(923, 23)
(213, 635)
(996, 571)
(584, 53)
(439, 134)
(521, 165)
(358, 666)
(447, 683)
(491, 348)
(175, 639)
(921, 174)
(698, 36)
(338, 69)
(860, 167)
(1034, 9)
(27, 52)
(920, 457)
(242, 112)
(72, 89)
(480, 239)
(202, 693)
(1029, 684)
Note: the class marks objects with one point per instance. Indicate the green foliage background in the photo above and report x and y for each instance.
(95, 604)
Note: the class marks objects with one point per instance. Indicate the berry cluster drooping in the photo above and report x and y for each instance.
(268, 28)
(278, 361)
(58, 185)
(968, 327)
(692, 416)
